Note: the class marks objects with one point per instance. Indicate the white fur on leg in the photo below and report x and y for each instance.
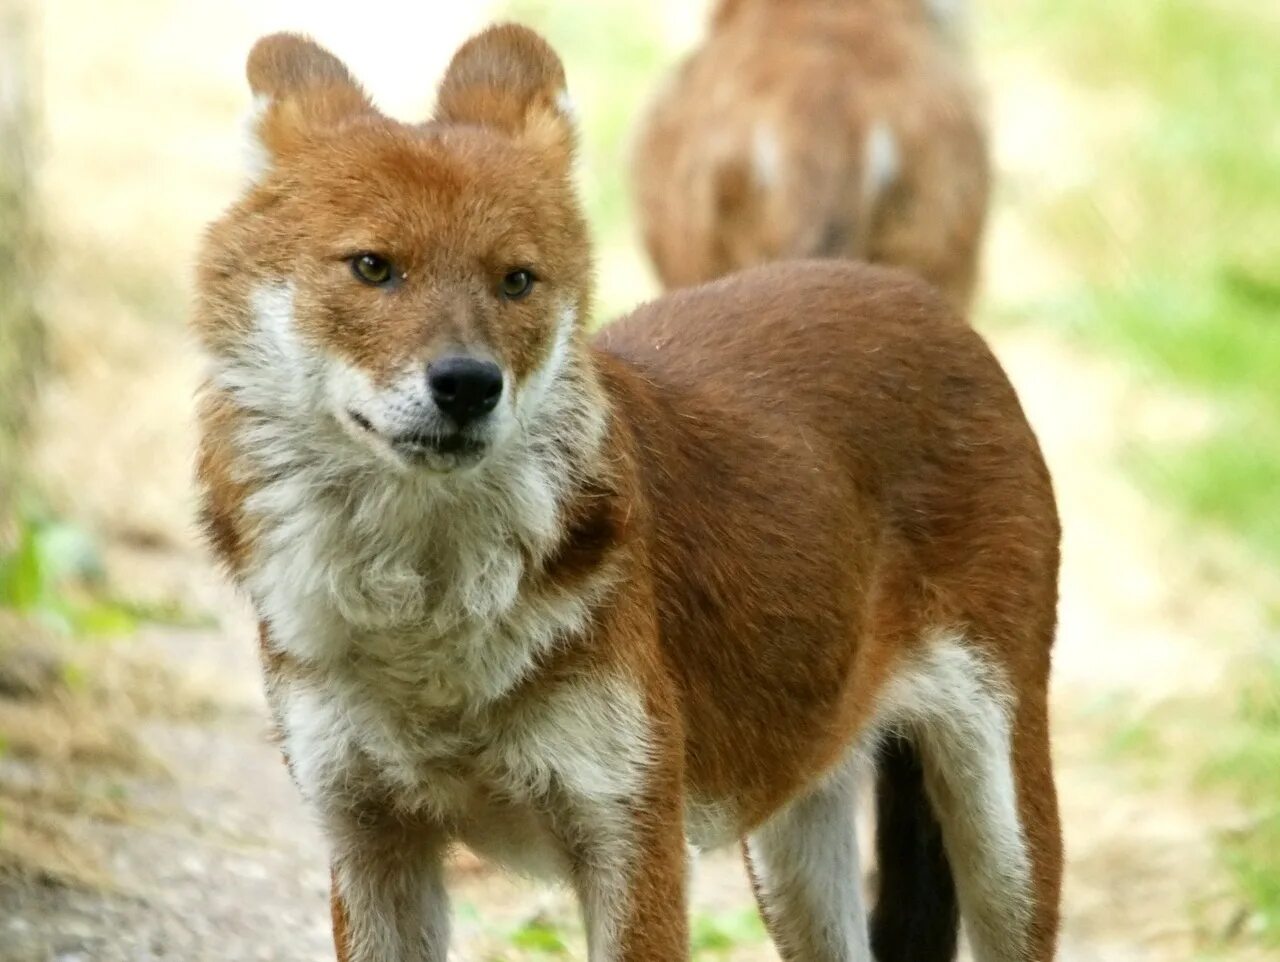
(394, 897)
(957, 706)
(809, 874)
(602, 905)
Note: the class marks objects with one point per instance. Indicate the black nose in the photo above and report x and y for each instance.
(465, 388)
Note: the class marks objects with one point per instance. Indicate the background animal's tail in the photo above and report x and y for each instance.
(916, 918)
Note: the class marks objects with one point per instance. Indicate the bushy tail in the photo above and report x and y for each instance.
(916, 918)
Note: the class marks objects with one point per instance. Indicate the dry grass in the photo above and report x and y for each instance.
(21, 332)
(69, 717)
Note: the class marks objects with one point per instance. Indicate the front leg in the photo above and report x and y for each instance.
(388, 895)
(631, 879)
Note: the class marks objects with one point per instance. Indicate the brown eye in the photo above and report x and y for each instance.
(517, 284)
(371, 269)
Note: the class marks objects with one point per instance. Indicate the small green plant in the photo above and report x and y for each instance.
(54, 575)
(539, 935)
(721, 933)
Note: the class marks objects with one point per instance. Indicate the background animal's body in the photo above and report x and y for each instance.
(817, 128)
(678, 583)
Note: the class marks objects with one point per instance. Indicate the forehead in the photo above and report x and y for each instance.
(424, 187)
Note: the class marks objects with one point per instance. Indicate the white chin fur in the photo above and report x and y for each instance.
(405, 407)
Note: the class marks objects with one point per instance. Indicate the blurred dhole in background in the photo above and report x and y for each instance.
(1131, 285)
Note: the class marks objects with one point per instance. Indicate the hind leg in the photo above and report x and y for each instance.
(988, 777)
(1038, 810)
(807, 876)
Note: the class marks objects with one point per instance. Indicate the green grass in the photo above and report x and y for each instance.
(1174, 241)
(1175, 238)
(539, 936)
(718, 934)
(712, 935)
(1249, 762)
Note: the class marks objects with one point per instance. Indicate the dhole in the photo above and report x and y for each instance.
(579, 603)
(818, 128)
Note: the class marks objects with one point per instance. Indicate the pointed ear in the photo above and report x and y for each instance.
(298, 87)
(508, 78)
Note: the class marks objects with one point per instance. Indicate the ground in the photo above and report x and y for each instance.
(205, 851)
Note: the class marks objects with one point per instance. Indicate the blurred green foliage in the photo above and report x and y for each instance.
(1247, 758)
(1175, 238)
(711, 935)
(1175, 241)
(51, 575)
(541, 936)
(720, 933)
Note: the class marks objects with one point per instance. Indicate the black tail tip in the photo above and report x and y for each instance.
(917, 917)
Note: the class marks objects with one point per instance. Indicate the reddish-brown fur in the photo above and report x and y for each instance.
(804, 469)
(798, 87)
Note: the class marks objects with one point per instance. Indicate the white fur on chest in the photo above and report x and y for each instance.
(402, 591)
(412, 613)
(485, 776)
(413, 620)
(406, 598)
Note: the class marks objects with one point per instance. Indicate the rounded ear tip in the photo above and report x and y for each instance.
(510, 49)
(268, 52)
(283, 62)
(514, 35)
